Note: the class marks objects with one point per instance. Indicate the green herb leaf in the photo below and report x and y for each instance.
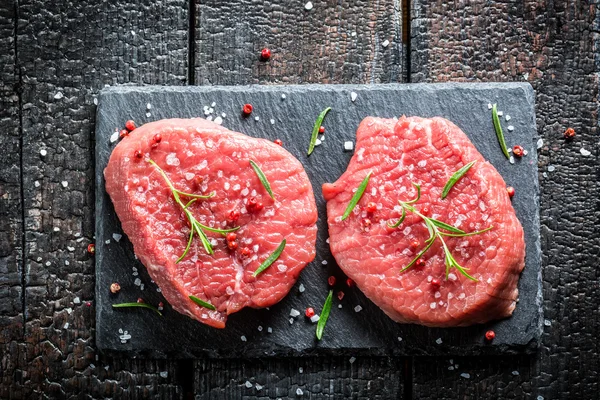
(141, 305)
(356, 198)
(262, 178)
(324, 315)
(195, 226)
(434, 226)
(455, 178)
(315, 131)
(499, 133)
(202, 303)
(397, 224)
(445, 226)
(418, 187)
(271, 259)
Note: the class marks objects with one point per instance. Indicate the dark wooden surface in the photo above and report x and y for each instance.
(76, 47)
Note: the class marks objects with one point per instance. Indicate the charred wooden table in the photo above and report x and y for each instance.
(56, 56)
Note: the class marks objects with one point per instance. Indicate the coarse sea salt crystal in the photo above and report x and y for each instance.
(324, 262)
(551, 168)
(515, 373)
(218, 120)
(172, 159)
(511, 160)
(385, 43)
(282, 268)
(272, 121)
(164, 374)
(584, 152)
(490, 106)
(317, 142)
(352, 359)
(37, 183)
(465, 375)
(243, 338)
(357, 309)
(248, 384)
(270, 330)
(58, 96)
(283, 96)
(113, 138)
(294, 312)
(353, 96)
(547, 322)
(500, 113)
(507, 117)
(511, 128)
(66, 326)
(64, 184)
(257, 118)
(348, 146)
(308, 6)
(315, 318)
(438, 340)
(432, 306)
(540, 143)
(301, 288)
(117, 237)
(76, 300)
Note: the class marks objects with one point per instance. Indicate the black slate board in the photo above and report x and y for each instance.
(369, 331)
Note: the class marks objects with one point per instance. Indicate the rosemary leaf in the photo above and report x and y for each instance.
(196, 196)
(356, 198)
(455, 178)
(187, 248)
(324, 315)
(418, 187)
(466, 233)
(202, 303)
(414, 260)
(499, 133)
(445, 226)
(315, 131)
(397, 224)
(141, 305)
(271, 259)
(262, 178)
(221, 231)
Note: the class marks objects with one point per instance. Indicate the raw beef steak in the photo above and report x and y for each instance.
(426, 152)
(201, 157)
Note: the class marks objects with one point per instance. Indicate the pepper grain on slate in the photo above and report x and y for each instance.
(91, 248)
(265, 54)
(247, 109)
(130, 125)
(569, 133)
(518, 150)
(490, 335)
(115, 288)
(511, 191)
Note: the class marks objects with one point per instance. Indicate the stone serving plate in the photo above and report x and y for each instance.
(255, 333)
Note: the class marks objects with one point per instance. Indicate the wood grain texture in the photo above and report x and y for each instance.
(66, 52)
(335, 42)
(551, 45)
(305, 378)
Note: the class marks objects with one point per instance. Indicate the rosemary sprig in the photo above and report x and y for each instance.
(324, 315)
(434, 226)
(202, 303)
(356, 198)
(315, 131)
(262, 178)
(499, 133)
(271, 259)
(142, 305)
(195, 226)
(456, 177)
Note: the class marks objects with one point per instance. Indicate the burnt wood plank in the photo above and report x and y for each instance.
(66, 52)
(11, 217)
(334, 42)
(551, 45)
(305, 378)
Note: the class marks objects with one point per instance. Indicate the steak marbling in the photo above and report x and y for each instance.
(200, 157)
(426, 152)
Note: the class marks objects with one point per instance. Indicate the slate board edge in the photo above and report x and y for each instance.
(475, 350)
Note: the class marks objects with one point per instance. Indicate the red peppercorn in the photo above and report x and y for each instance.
(414, 244)
(259, 206)
(232, 245)
(425, 210)
(88, 303)
(366, 222)
(161, 305)
(511, 191)
(254, 205)
(130, 125)
(234, 215)
(91, 248)
(340, 295)
(435, 283)
(371, 207)
(140, 300)
(247, 109)
(278, 141)
(138, 154)
(490, 335)
(246, 252)
(569, 133)
(157, 138)
(518, 150)
(420, 262)
(310, 312)
(115, 287)
(331, 280)
(231, 236)
(265, 54)
(321, 129)
(123, 133)
(349, 282)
